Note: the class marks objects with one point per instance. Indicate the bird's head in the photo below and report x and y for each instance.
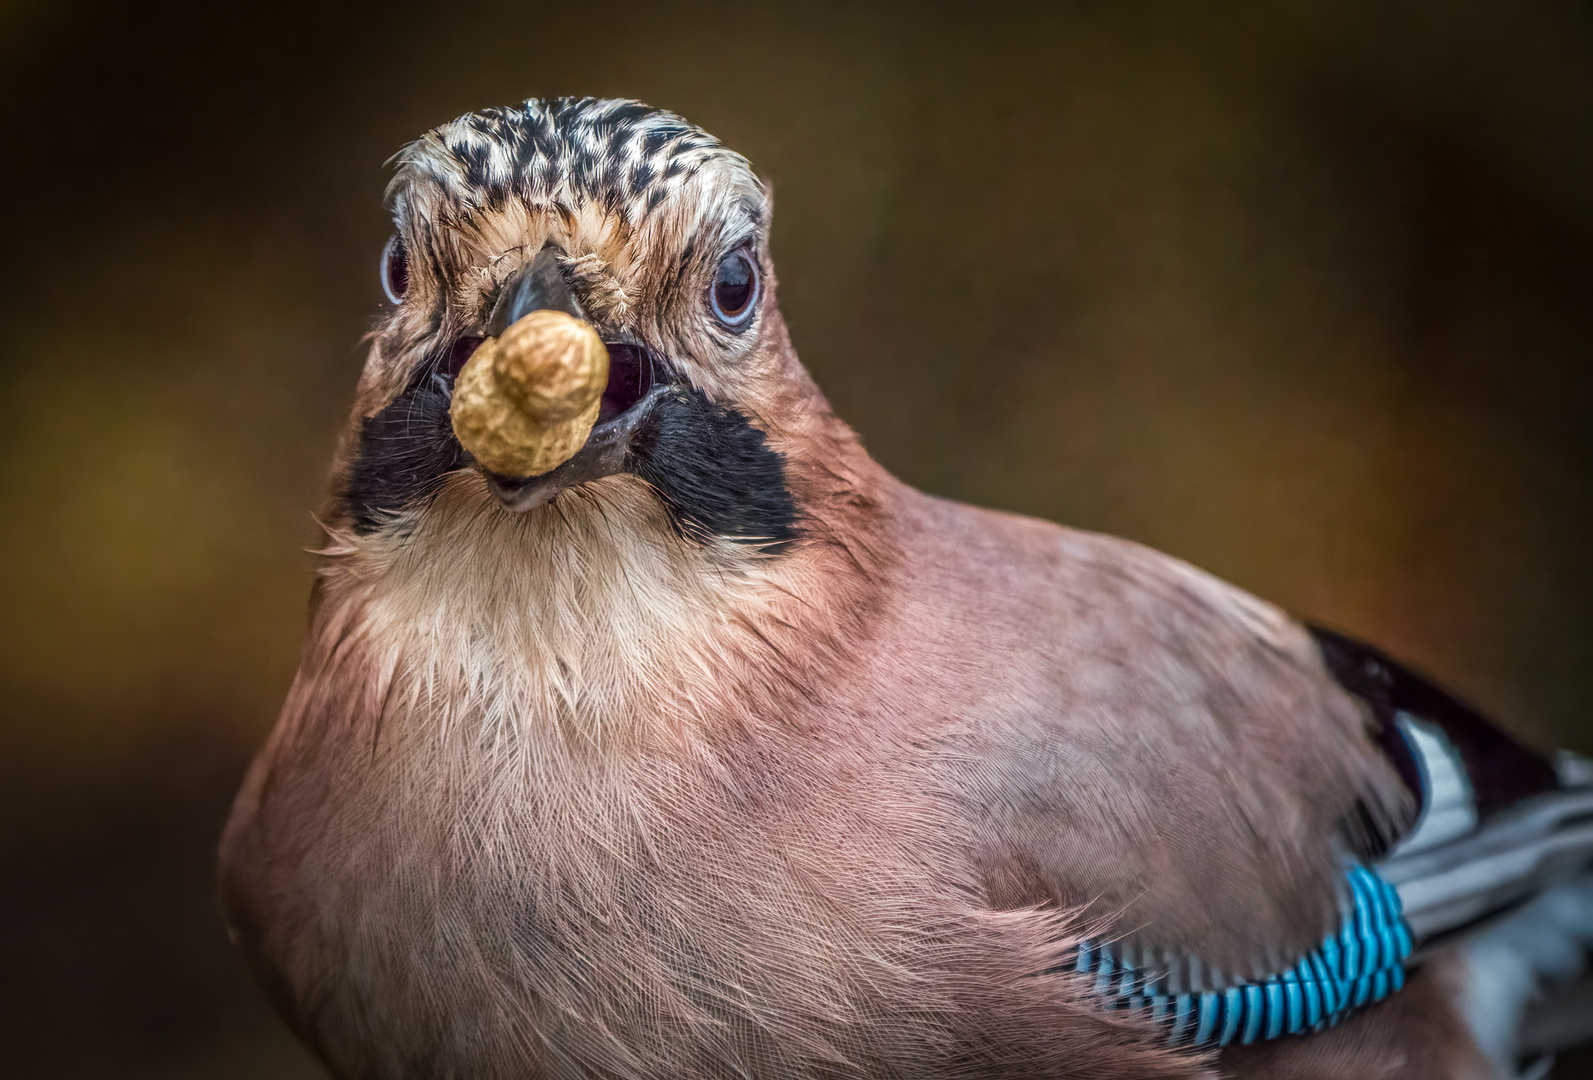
(641, 225)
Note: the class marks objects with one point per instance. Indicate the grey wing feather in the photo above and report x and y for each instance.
(1455, 885)
(1453, 871)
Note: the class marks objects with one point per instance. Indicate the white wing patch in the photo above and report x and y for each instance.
(1449, 807)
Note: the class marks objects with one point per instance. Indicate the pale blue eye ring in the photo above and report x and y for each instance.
(733, 296)
(395, 269)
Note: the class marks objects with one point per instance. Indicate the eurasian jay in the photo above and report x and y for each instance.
(717, 751)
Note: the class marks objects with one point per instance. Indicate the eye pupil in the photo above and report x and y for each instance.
(395, 270)
(735, 288)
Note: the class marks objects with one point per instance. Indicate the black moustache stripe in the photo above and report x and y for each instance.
(714, 471)
(405, 451)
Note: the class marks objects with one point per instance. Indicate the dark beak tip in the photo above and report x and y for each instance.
(607, 451)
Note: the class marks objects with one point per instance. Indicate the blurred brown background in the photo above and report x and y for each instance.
(1301, 292)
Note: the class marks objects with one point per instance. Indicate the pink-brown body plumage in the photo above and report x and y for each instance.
(595, 790)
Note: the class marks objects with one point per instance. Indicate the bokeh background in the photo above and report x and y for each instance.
(1299, 291)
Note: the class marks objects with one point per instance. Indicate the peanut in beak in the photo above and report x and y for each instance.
(526, 401)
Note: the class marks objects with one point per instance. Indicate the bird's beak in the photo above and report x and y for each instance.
(538, 286)
(635, 387)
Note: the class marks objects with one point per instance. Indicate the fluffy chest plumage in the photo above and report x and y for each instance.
(542, 800)
(456, 902)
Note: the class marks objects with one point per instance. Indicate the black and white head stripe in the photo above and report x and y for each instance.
(643, 207)
(629, 156)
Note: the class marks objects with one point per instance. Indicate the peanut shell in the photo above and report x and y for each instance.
(526, 401)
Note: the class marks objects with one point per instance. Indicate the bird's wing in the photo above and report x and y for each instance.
(1177, 761)
(1240, 803)
(1498, 822)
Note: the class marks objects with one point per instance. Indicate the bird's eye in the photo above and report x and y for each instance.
(395, 270)
(735, 289)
